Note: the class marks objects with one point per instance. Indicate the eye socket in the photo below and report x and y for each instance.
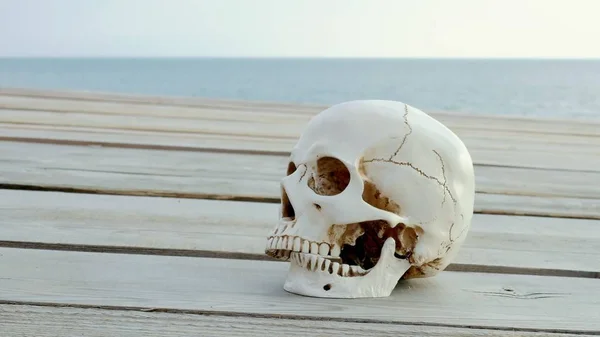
(331, 177)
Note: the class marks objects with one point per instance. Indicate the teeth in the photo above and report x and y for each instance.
(335, 251)
(297, 244)
(316, 257)
(313, 262)
(284, 242)
(305, 246)
(345, 269)
(326, 264)
(324, 249)
(336, 267)
(314, 248)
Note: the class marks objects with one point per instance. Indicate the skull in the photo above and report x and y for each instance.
(376, 191)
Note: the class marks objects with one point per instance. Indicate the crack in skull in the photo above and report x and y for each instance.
(416, 169)
(410, 130)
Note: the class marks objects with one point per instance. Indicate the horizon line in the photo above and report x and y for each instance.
(312, 57)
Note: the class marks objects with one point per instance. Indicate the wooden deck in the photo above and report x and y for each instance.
(125, 215)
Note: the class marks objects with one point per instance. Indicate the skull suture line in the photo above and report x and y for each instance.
(375, 191)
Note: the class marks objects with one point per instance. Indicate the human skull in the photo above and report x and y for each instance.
(375, 191)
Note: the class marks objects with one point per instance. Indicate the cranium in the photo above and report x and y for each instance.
(375, 191)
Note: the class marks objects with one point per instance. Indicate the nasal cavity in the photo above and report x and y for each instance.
(330, 177)
(287, 210)
(291, 168)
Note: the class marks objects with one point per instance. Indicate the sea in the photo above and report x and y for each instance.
(525, 87)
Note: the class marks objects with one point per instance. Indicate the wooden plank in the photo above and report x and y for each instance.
(526, 155)
(43, 321)
(264, 170)
(188, 101)
(277, 125)
(246, 176)
(498, 243)
(255, 287)
(99, 103)
(206, 112)
(248, 127)
(144, 139)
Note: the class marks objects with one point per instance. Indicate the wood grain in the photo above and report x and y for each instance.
(200, 149)
(498, 243)
(499, 150)
(255, 287)
(41, 321)
(172, 101)
(253, 176)
(105, 102)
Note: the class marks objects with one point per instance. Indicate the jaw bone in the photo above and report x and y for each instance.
(379, 281)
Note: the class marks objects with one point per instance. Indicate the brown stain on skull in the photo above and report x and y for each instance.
(331, 177)
(372, 195)
(422, 270)
(345, 234)
(361, 243)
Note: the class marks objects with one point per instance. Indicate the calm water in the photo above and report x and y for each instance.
(517, 87)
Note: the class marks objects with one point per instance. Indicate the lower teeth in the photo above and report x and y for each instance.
(319, 263)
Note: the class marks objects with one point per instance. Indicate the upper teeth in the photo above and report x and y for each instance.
(297, 244)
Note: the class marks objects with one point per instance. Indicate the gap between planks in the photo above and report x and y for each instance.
(256, 177)
(192, 148)
(104, 102)
(490, 209)
(41, 319)
(454, 267)
(209, 228)
(502, 149)
(487, 301)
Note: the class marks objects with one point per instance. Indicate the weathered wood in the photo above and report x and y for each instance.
(170, 100)
(41, 321)
(255, 287)
(516, 154)
(274, 125)
(246, 176)
(75, 101)
(495, 242)
(167, 146)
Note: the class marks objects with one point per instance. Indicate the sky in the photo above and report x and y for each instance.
(300, 28)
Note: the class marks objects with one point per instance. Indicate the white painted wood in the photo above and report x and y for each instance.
(116, 109)
(277, 125)
(205, 174)
(187, 101)
(255, 287)
(516, 153)
(260, 174)
(63, 101)
(495, 241)
(132, 138)
(40, 321)
(248, 127)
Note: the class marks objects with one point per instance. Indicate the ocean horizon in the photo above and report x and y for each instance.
(564, 88)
